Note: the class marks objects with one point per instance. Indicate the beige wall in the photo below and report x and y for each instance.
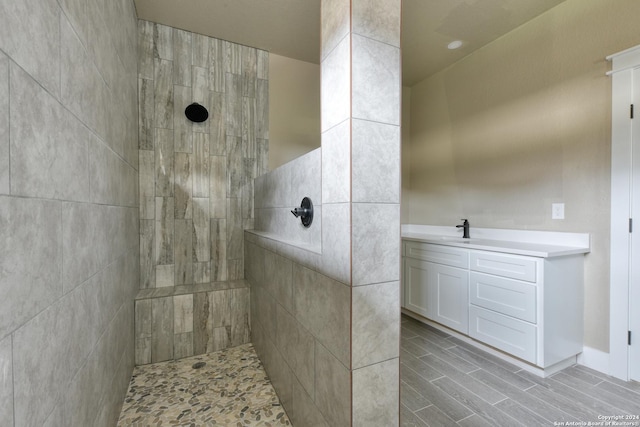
(520, 124)
(294, 109)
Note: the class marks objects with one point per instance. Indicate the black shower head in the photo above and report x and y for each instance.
(196, 113)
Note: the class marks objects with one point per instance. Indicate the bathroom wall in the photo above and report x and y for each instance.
(294, 92)
(68, 210)
(325, 301)
(196, 179)
(522, 123)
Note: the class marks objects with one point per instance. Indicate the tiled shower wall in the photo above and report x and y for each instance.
(196, 179)
(68, 210)
(326, 314)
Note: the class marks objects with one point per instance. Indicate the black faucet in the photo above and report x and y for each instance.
(465, 228)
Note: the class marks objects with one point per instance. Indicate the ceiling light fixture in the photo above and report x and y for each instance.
(454, 44)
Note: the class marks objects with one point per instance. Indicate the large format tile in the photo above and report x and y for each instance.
(376, 243)
(49, 156)
(375, 162)
(65, 333)
(336, 164)
(375, 323)
(4, 124)
(322, 305)
(278, 278)
(378, 20)
(6, 382)
(30, 35)
(112, 181)
(183, 251)
(333, 388)
(376, 394)
(304, 411)
(335, 90)
(30, 259)
(377, 65)
(336, 241)
(297, 346)
(335, 24)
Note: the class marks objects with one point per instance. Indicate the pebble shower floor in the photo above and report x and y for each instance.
(231, 389)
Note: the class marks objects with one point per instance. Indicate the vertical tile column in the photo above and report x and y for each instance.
(196, 179)
(375, 197)
(360, 93)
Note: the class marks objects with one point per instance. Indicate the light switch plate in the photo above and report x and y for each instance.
(557, 211)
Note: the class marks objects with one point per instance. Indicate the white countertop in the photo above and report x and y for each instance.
(542, 244)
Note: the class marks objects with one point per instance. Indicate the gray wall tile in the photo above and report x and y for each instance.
(333, 388)
(182, 185)
(183, 252)
(146, 179)
(30, 35)
(216, 66)
(370, 406)
(31, 259)
(67, 59)
(376, 64)
(376, 243)
(182, 57)
(49, 157)
(334, 25)
(147, 254)
(297, 346)
(278, 278)
(183, 127)
(143, 331)
(201, 232)
(164, 156)
(335, 86)
(162, 329)
(304, 410)
(201, 165)
(164, 230)
(323, 307)
(375, 325)
(163, 93)
(200, 50)
(336, 164)
(146, 112)
(377, 20)
(162, 42)
(6, 382)
(375, 162)
(4, 124)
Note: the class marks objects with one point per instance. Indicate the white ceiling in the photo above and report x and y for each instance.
(291, 28)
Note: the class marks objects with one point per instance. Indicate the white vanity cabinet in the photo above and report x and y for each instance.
(530, 307)
(436, 283)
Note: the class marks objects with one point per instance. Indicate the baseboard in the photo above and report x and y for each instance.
(595, 359)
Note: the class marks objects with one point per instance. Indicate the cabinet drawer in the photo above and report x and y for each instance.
(506, 296)
(511, 266)
(503, 332)
(438, 253)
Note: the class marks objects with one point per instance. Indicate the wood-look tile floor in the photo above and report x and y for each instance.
(447, 382)
(231, 389)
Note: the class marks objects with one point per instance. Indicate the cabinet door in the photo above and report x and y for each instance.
(416, 286)
(450, 290)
